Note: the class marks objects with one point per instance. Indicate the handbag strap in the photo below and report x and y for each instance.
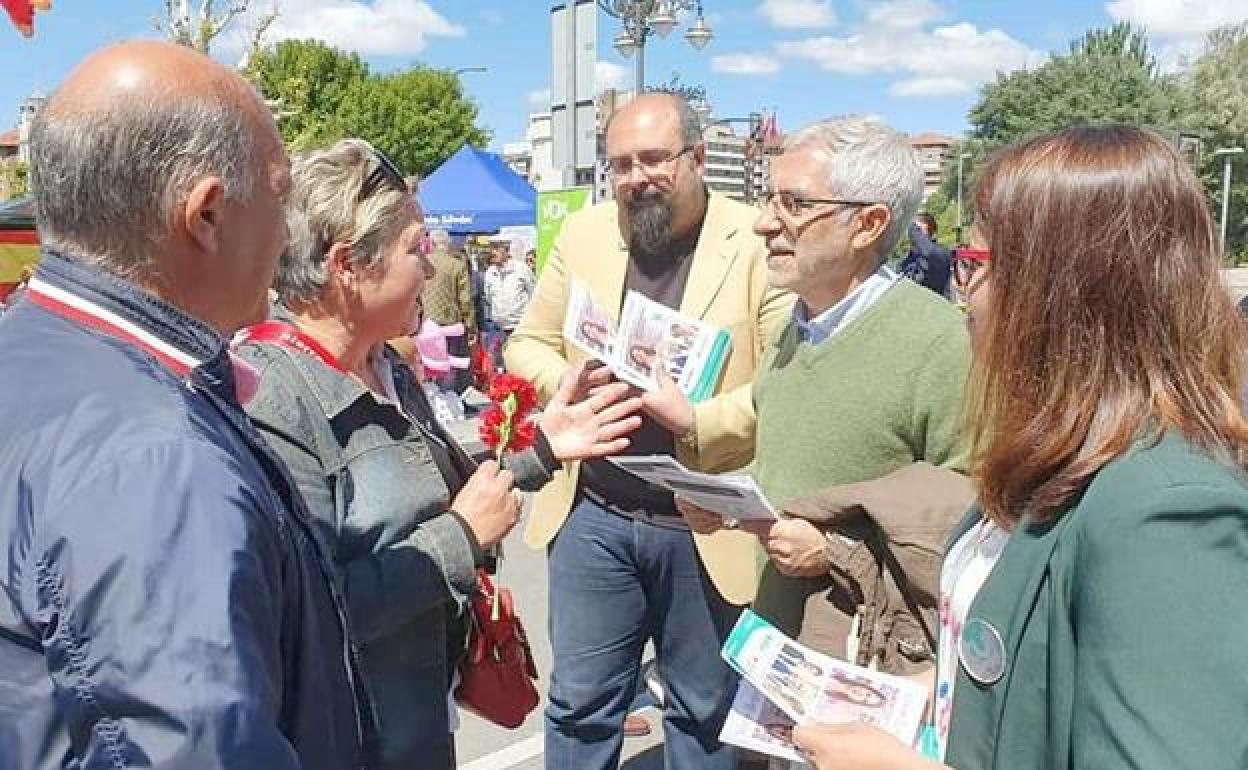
(884, 555)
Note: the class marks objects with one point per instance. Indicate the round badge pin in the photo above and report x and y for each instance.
(982, 652)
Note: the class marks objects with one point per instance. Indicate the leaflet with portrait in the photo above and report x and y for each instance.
(648, 335)
(809, 687)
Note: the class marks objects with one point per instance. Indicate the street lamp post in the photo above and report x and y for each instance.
(1227, 153)
(961, 157)
(643, 18)
(461, 70)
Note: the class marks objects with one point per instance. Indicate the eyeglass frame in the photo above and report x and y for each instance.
(647, 169)
(384, 172)
(966, 262)
(770, 196)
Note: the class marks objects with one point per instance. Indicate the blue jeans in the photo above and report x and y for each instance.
(614, 584)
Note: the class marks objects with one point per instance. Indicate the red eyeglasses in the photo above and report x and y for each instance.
(966, 262)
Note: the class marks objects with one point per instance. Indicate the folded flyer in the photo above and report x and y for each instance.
(756, 724)
(732, 495)
(649, 334)
(809, 687)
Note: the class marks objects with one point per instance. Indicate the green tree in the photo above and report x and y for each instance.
(1109, 75)
(308, 81)
(1216, 105)
(14, 179)
(418, 117)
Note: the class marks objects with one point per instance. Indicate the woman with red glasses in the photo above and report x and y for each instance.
(1091, 603)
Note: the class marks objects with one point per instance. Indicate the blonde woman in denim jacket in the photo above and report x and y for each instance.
(407, 515)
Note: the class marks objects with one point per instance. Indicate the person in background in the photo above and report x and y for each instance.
(624, 568)
(508, 283)
(408, 515)
(448, 301)
(1090, 603)
(928, 263)
(164, 601)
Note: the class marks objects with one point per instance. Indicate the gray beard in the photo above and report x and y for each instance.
(650, 226)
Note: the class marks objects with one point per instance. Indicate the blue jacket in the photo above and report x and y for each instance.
(928, 263)
(162, 600)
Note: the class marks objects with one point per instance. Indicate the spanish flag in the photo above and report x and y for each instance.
(22, 12)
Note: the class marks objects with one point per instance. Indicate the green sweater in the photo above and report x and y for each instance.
(880, 394)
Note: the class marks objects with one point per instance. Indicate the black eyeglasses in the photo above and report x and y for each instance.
(384, 174)
(651, 162)
(795, 205)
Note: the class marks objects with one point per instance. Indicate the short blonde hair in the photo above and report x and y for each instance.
(323, 210)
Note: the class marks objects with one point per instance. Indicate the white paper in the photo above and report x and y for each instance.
(733, 496)
(811, 687)
(648, 335)
(754, 723)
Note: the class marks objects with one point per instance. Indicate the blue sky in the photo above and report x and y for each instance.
(917, 63)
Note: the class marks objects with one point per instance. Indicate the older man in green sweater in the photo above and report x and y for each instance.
(867, 377)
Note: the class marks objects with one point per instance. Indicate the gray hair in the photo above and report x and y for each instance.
(865, 160)
(323, 210)
(107, 183)
(440, 239)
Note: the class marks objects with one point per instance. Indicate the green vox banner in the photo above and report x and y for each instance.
(553, 207)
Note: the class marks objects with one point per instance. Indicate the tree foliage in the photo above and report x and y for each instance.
(419, 117)
(14, 179)
(197, 27)
(1216, 107)
(1109, 75)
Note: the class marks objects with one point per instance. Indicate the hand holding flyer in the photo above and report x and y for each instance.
(648, 336)
(809, 687)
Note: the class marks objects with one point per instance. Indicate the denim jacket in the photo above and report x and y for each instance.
(162, 599)
(382, 506)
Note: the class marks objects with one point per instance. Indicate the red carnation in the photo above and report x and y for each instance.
(505, 424)
(508, 384)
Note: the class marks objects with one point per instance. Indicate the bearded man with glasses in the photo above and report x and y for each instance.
(623, 566)
(865, 381)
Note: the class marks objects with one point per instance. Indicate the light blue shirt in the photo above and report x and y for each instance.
(834, 319)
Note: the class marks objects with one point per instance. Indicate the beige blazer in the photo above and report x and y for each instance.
(727, 287)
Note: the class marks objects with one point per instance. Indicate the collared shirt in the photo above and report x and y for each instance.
(834, 319)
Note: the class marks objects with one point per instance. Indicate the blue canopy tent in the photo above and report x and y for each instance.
(475, 191)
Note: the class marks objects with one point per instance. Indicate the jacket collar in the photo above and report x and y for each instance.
(154, 323)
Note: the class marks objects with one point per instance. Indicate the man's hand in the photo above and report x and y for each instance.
(700, 520)
(796, 546)
(856, 746)
(589, 416)
(668, 405)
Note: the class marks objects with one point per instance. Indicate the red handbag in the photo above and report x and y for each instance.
(496, 676)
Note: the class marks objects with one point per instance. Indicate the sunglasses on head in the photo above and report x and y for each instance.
(384, 174)
(966, 262)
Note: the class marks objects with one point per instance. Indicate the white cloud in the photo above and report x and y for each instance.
(898, 37)
(539, 98)
(1178, 19)
(930, 87)
(798, 14)
(1177, 28)
(610, 75)
(492, 17)
(745, 64)
(367, 27)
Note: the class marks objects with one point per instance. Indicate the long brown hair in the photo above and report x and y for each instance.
(1108, 322)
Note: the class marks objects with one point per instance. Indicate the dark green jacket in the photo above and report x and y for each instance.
(1125, 625)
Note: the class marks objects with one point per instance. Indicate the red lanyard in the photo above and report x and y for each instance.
(286, 335)
(82, 311)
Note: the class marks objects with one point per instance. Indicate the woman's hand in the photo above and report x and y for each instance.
(700, 520)
(589, 416)
(855, 746)
(796, 546)
(488, 504)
